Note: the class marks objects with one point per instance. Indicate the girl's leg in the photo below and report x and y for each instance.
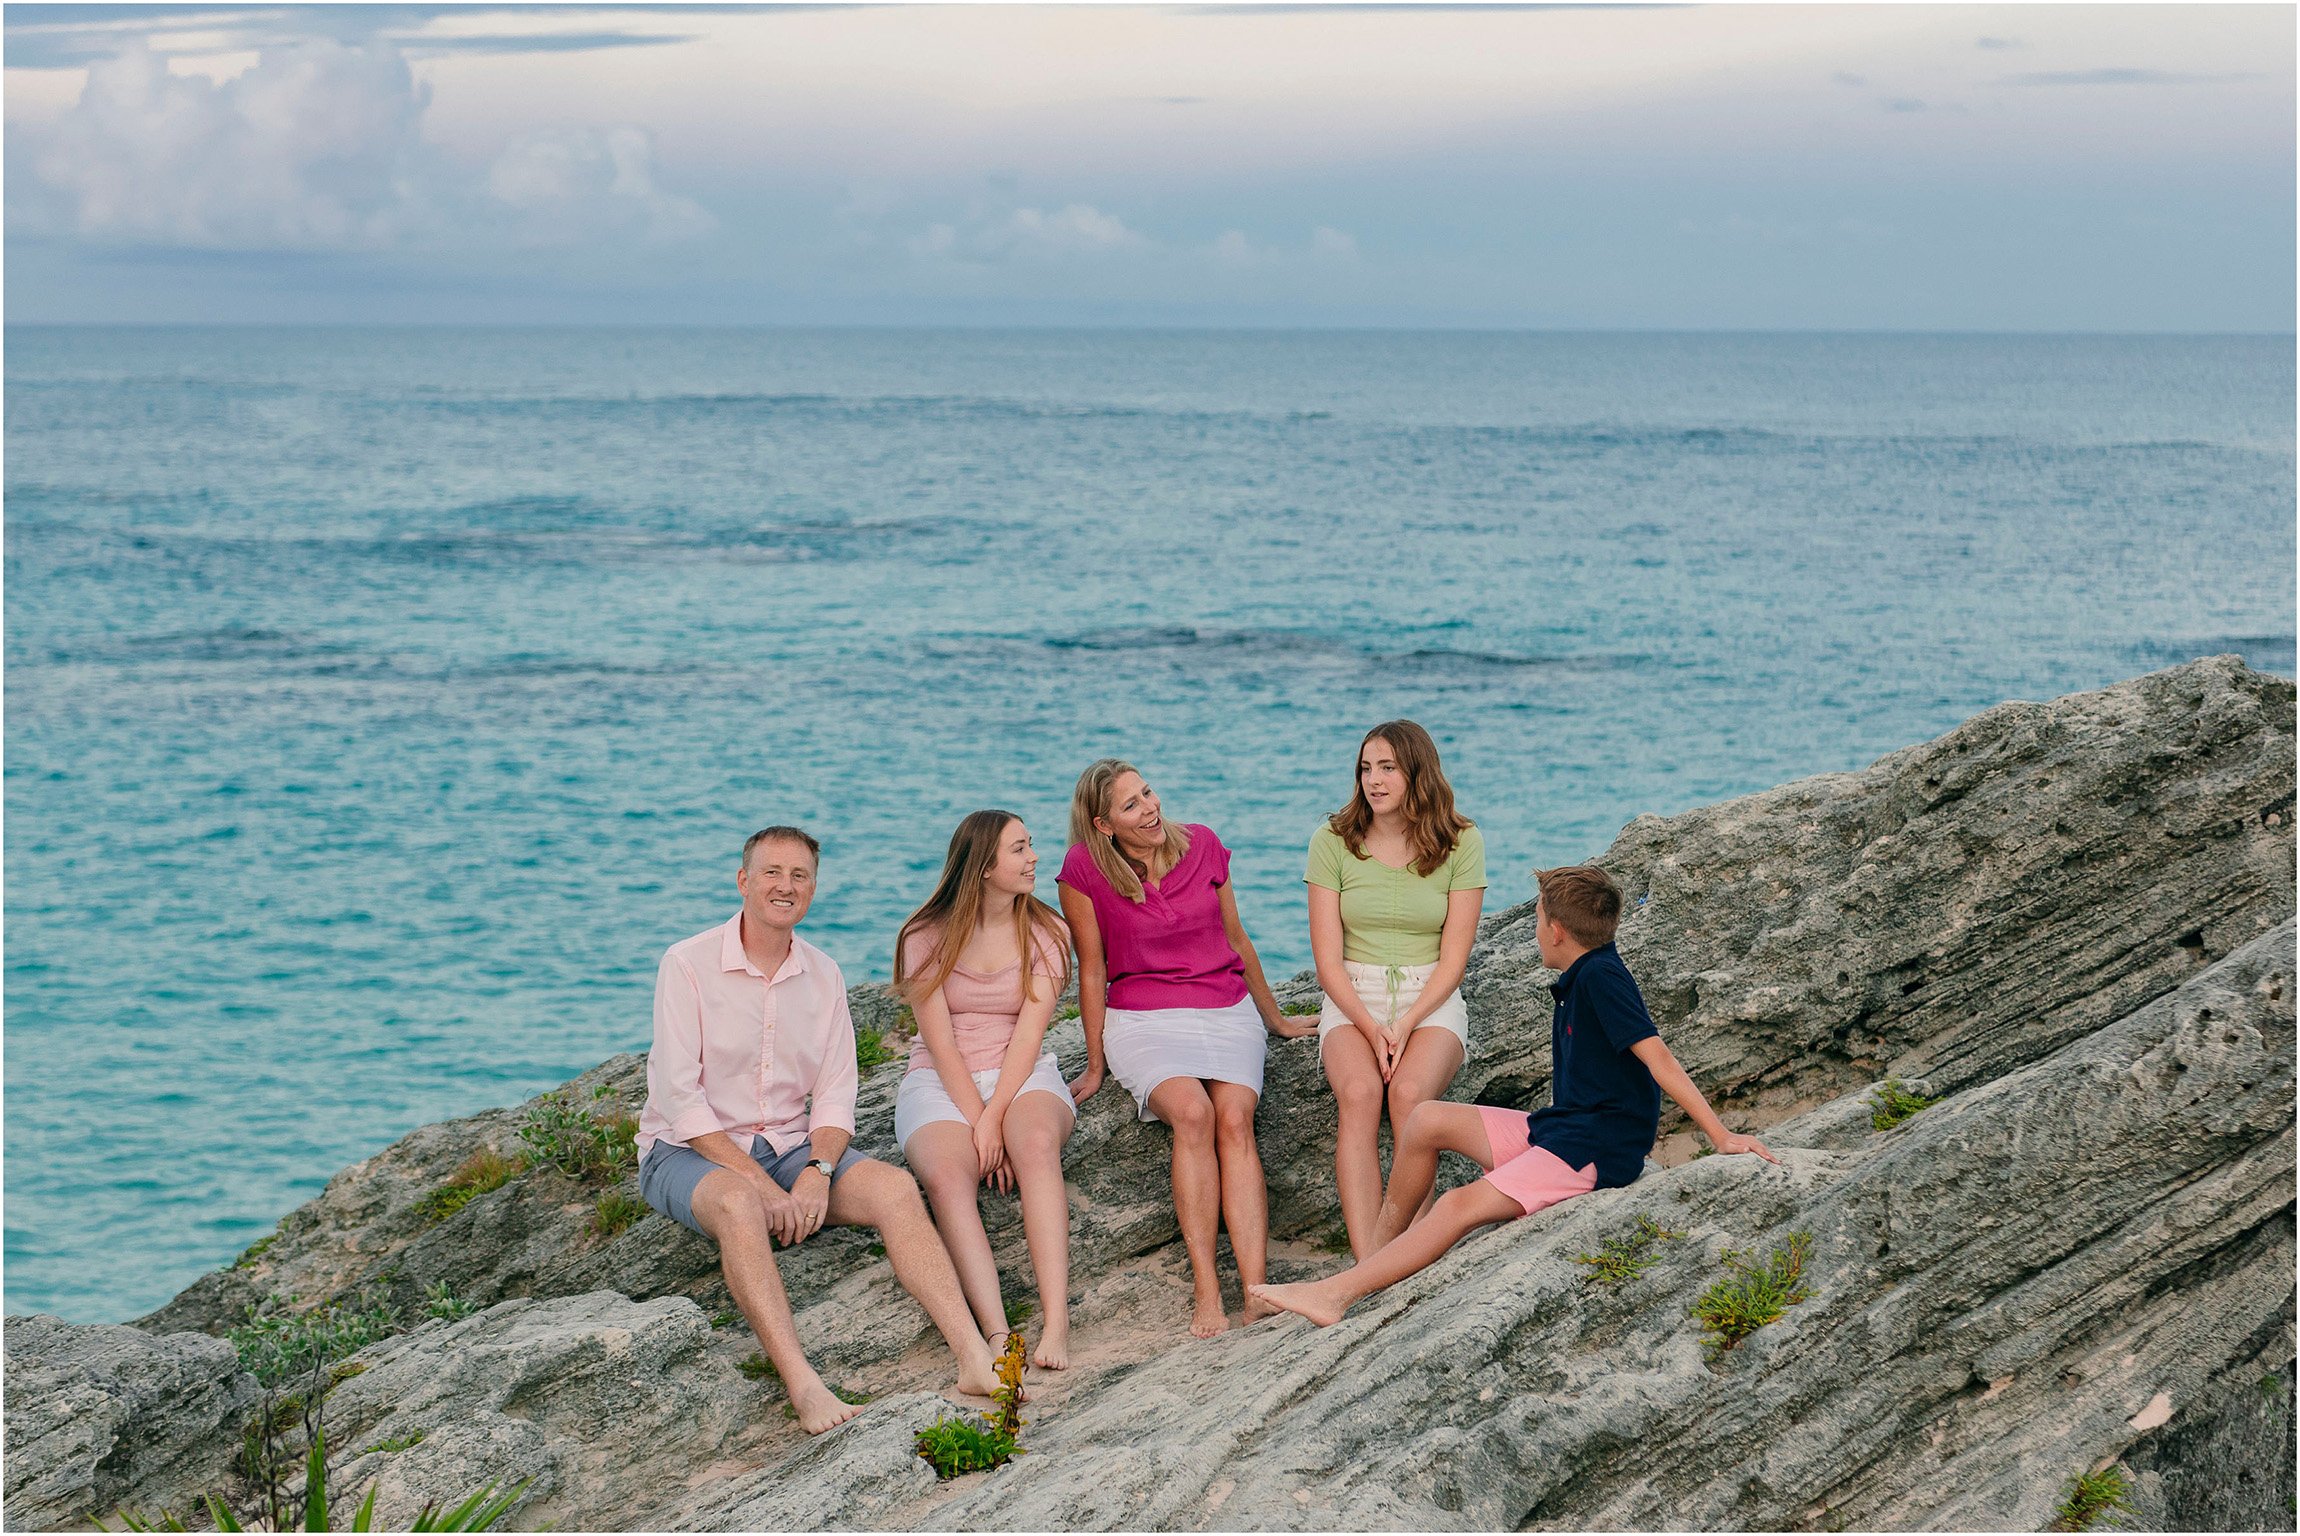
(1037, 1124)
(1357, 1084)
(1426, 1070)
(1182, 1103)
(942, 1155)
(1435, 1127)
(1245, 1200)
(1461, 1212)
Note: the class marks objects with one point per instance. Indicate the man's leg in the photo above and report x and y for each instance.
(1437, 1126)
(728, 1210)
(1182, 1103)
(876, 1194)
(1457, 1213)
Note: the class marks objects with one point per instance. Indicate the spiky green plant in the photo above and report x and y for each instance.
(482, 1172)
(1751, 1294)
(1891, 1103)
(2092, 1499)
(475, 1513)
(1625, 1257)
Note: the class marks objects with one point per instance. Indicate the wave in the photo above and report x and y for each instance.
(1259, 644)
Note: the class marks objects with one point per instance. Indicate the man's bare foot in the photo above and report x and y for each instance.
(819, 1408)
(977, 1378)
(1316, 1300)
(1207, 1317)
(1053, 1352)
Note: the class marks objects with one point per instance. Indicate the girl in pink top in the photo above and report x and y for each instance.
(1169, 986)
(981, 965)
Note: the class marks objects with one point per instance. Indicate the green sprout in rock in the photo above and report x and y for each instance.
(392, 1447)
(594, 1144)
(953, 1446)
(255, 1251)
(2091, 1499)
(615, 1212)
(758, 1367)
(1018, 1311)
(1891, 1104)
(725, 1317)
(482, 1172)
(442, 1304)
(1624, 1258)
(1752, 1295)
(871, 1050)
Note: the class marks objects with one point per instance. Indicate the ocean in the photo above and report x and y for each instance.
(380, 703)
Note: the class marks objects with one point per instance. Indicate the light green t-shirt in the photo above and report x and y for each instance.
(1393, 916)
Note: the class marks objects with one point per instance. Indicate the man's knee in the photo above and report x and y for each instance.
(730, 1210)
(880, 1192)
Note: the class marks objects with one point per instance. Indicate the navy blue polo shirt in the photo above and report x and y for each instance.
(1604, 1106)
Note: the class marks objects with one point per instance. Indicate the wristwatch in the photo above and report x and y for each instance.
(828, 1169)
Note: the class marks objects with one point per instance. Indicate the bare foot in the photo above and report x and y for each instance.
(1256, 1307)
(979, 1379)
(1207, 1318)
(1053, 1352)
(1314, 1300)
(819, 1408)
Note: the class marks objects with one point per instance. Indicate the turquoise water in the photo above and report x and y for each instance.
(380, 703)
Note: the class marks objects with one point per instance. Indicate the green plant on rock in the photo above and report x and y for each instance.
(2094, 1498)
(1018, 1311)
(277, 1344)
(255, 1251)
(483, 1171)
(871, 1050)
(757, 1366)
(392, 1447)
(1751, 1294)
(1891, 1103)
(725, 1317)
(1624, 1258)
(953, 1446)
(615, 1212)
(594, 1143)
(441, 1304)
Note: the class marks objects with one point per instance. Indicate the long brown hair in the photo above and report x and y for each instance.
(1432, 824)
(956, 907)
(1090, 800)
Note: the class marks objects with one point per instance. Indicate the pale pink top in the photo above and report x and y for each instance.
(740, 1052)
(983, 1007)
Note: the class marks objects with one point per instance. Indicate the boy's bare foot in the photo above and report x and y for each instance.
(819, 1408)
(1053, 1352)
(1315, 1300)
(1207, 1317)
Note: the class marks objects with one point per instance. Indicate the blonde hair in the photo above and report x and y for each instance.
(1089, 802)
(954, 909)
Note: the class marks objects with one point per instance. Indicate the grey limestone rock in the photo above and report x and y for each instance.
(105, 1415)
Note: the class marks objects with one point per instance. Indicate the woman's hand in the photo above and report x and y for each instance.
(1084, 1086)
(1385, 1049)
(1288, 1026)
(990, 1142)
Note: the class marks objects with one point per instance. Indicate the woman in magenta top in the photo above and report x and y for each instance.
(1172, 998)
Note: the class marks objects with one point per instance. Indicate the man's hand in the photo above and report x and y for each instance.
(1734, 1141)
(783, 1219)
(811, 1199)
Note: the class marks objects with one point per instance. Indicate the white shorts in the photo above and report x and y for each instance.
(1387, 991)
(922, 1099)
(1146, 1046)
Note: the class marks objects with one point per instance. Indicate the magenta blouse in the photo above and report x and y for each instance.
(1168, 950)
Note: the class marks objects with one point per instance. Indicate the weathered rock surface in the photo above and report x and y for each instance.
(2063, 917)
(102, 1415)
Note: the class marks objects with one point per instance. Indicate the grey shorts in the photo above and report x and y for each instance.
(668, 1177)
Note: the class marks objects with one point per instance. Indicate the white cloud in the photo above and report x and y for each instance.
(988, 235)
(318, 146)
(1333, 244)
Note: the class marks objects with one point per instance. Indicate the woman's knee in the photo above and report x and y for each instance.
(1234, 1122)
(1359, 1099)
(1191, 1114)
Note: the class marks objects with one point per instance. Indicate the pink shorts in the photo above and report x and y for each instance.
(1534, 1177)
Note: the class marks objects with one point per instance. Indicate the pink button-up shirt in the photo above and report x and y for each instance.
(745, 1053)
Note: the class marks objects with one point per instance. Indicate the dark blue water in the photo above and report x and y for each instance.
(381, 703)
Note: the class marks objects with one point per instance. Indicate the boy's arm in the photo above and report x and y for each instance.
(1662, 1063)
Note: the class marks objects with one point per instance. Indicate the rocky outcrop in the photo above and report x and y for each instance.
(102, 1415)
(2069, 920)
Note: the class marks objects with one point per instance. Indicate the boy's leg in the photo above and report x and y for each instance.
(1437, 1126)
(1458, 1213)
(880, 1195)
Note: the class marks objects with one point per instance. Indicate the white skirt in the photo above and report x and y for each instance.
(1388, 991)
(1146, 1046)
(922, 1099)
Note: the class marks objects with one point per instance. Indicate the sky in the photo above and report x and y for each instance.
(1894, 167)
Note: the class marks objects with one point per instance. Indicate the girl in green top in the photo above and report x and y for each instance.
(1397, 880)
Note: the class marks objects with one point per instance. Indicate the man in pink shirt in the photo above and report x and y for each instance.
(750, 1106)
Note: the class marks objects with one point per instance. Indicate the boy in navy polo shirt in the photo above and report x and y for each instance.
(1608, 1072)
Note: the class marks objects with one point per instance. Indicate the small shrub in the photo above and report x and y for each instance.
(309, 1510)
(1624, 1258)
(2092, 1499)
(615, 1212)
(1891, 1104)
(392, 1447)
(725, 1317)
(442, 1304)
(594, 1144)
(1302, 1010)
(483, 1171)
(255, 1251)
(1752, 1295)
(758, 1367)
(953, 1446)
(276, 1345)
(871, 1050)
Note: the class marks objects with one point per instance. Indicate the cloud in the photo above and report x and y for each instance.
(1841, 77)
(1997, 44)
(319, 147)
(1904, 104)
(989, 235)
(2122, 77)
(1333, 244)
